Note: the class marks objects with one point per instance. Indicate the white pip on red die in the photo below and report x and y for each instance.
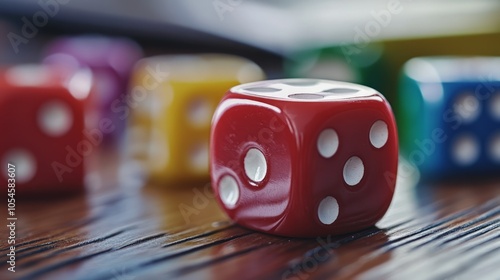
(304, 157)
(42, 117)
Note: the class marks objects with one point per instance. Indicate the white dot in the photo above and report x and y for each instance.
(467, 107)
(255, 165)
(341, 90)
(25, 164)
(306, 96)
(199, 112)
(81, 83)
(495, 148)
(495, 106)
(263, 89)
(198, 158)
(353, 171)
(328, 210)
(328, 142)
(379, 134)
(465, 150)
(228, 191)
(55, 118)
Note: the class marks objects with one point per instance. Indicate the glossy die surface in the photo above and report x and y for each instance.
(450, 117)
(304, 157)
(42, 121)
(169, 127)
(111, 61)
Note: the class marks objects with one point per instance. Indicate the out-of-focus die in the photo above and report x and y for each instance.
(111, 60)
(450, 115)
(174, 98)
(304, 157)
(42, 118)
(361, 64)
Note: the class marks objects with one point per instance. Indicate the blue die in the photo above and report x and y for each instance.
(449, 115)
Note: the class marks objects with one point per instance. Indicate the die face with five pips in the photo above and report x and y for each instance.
(304, 157)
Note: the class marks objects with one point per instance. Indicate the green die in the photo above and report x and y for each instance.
(362, 64)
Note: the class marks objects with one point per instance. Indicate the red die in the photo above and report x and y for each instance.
(42, 118)
(304, 157)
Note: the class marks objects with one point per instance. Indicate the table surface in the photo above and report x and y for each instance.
(121, 230)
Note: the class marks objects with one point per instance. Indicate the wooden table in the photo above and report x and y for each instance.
(120, 230)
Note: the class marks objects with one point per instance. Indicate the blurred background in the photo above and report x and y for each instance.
(267, 30)
(365, 42)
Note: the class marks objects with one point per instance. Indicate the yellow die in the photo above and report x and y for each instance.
(169, 127)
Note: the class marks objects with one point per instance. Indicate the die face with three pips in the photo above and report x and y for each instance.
(304, 157)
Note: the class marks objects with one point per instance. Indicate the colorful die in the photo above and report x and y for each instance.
(172, 101)
(42, 116)
(304, 157)
(362, 64)
(450, 115)
(110, 59)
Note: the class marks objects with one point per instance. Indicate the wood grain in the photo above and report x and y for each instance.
(119, 230)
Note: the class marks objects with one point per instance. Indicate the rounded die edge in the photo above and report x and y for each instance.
(323, 90)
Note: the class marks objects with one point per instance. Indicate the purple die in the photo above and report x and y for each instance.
(111, 60)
